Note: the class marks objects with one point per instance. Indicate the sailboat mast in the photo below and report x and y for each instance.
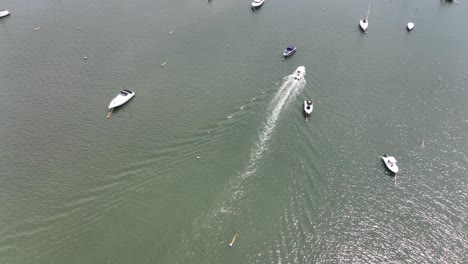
(414, 15)
(368, 11)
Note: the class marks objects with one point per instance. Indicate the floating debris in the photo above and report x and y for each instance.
(227, 45)
(37, 28)
(198, 157)
(170, 32)
(85, 57)
(77, 28)
(164, 63)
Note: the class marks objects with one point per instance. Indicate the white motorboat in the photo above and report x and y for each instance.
(391, 163)
(364, 23)
(299, 73)
(123, 97)
(256, 4)
(308, 108)
(410, 25)
(4, 13)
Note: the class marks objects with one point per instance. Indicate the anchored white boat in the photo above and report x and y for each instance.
(4, 13)
(123, 97)
(308, 108)
(256, 4)
(364, 23)
(391, 163)
(410, 25)
(299, 73)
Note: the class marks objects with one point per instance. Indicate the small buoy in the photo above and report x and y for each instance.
(85, 57)
(198, 157)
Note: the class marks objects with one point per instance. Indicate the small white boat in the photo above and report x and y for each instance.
(256, 4)
(308, 108)
(123, 97)
(4, 13)
(299, 73)
(391, 163)
(410, 25)
(364, 23)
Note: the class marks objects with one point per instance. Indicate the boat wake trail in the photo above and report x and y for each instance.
(288, 91)
(202, 242)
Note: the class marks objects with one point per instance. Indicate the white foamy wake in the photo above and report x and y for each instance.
(288, 91)
(209, 230)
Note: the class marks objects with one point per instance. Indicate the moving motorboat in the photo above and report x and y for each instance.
(410, 25)
(364, 23)
(256, 4)
(290, 50)
(299, 73)
(391, 163)
(123, 97)
(308, 108)
(4, 13)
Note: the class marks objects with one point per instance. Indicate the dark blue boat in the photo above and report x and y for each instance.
(290, 50)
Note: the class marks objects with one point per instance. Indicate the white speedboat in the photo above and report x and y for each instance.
(256, 4)
(4, 13)
(308, 108)
(364, 23)
(299, 73)
(123, 97)
(391, 163)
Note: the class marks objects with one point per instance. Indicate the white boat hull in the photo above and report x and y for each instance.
(363, 24)
(4, 13)
(257, 4)
(308, 108)
(391, 163)
(299, 73)
(121, 99)
(410, 26)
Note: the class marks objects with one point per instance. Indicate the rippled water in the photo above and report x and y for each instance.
(214, 140)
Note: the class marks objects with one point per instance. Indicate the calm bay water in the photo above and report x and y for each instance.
(76, 187)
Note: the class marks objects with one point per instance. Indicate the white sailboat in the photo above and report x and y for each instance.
(410, 25)
(256, 4)
(390, 163)
(364, 23)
